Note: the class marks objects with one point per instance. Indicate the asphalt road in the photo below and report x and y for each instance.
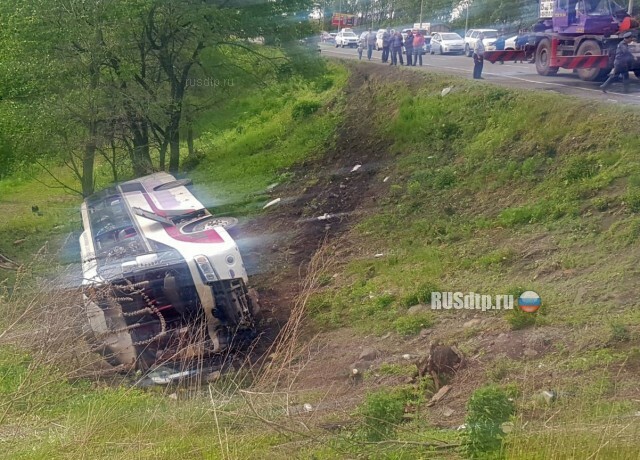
(518, 75)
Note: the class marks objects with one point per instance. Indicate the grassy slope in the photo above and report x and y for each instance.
(496, 191)
(490, 190)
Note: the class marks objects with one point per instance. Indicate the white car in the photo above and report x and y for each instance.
(379, 35)
(510, 43)
(471, 37)
(346, 37)
(446, 42)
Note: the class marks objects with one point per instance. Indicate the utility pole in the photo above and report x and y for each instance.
(466, 24)
(372, 2)
(421, 4)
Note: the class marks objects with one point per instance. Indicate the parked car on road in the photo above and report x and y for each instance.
(447, 42)
(326, 37)
(379, 35)
(346, 37)
(471, 37)
(510, 43)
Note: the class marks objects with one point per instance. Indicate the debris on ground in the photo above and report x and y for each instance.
(356, 167)
(368, 354)
(271, 203)
(442, 392)
(7, 263)
(442, 360)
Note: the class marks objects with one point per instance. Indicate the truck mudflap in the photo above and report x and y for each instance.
(146, 323)
(504, 55)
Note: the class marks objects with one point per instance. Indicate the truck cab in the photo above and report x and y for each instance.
(584, 16)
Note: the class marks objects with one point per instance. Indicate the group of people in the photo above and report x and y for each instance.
(392, 44)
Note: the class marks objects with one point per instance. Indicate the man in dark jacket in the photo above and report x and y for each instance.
(621, 64)
(396, 49)
(408, 46)
(386, 43)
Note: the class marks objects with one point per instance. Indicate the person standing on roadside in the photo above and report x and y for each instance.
(370, 43)
(396, 49)
(386, 44)
(408, 47)
(621, 64)
(478, 57)
(500, 44)
(418, 44)
(361, 44)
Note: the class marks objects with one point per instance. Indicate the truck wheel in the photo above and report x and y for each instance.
(637, 73)
(543, 58)
(591, 48)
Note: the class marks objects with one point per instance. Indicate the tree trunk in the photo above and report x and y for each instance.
(174, 142)
(88, 160)
(141, 158)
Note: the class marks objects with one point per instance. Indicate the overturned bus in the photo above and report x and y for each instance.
(163, 281)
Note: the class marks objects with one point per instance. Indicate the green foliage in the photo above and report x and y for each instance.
(633, 199)
(303, 109)
(519, 319)
(421, 295)
(412, 324)
(619, 332)
(579, 168)
(487, 410)
(398, 370)
(444, 178)
(382, 412)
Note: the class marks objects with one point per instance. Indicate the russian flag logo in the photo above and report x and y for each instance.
(529, 301)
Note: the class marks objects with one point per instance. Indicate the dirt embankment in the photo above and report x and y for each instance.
(324, 200)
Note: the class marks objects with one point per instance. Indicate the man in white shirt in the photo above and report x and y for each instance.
(478, 57)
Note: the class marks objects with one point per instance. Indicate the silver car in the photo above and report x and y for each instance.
(447, 42)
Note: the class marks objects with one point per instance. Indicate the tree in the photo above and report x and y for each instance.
(119, 72)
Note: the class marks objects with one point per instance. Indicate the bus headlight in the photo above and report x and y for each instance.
(206, 268)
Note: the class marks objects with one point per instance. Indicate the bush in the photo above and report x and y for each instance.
(305, 108)
(382, 411)
(445, 178)
(411, 325)
(633, 199)
(487, 409)
(581, 168)
(421, 295)
(519, 319)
